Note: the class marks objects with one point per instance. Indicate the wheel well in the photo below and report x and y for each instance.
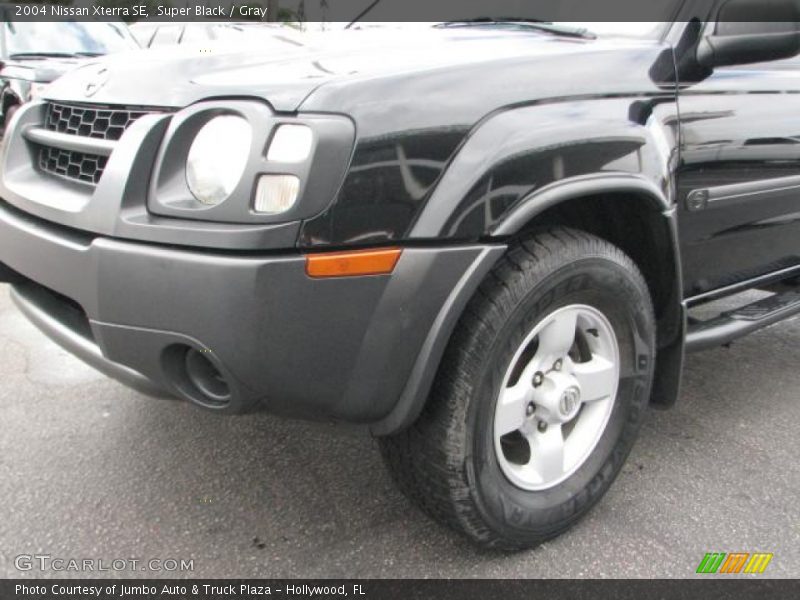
(636, 225)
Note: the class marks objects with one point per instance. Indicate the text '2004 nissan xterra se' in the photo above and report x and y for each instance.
(485, 244)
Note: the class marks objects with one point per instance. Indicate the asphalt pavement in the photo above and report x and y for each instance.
(90, 469)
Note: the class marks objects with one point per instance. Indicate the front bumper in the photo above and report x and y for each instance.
(360, 349)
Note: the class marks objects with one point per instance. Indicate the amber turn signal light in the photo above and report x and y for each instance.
(353, 264)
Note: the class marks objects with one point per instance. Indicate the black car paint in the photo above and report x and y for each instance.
(741, 150)
(414, 117)
(456, 150)
(522, 123)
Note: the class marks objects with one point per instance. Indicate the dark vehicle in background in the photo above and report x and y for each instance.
(488, 241)
(35, 54)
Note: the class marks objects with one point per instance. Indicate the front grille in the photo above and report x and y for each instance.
(103, 123)
(72, 165)
(90, 121)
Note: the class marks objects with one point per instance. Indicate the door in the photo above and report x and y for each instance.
(739, 180)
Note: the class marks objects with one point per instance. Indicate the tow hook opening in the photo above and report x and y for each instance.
(197, 377)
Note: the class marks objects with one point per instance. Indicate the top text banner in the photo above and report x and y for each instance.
(346, 11)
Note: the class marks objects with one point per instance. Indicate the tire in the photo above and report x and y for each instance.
(454, 463)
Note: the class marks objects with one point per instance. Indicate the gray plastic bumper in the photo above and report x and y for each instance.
(80, 345)
(360, 349)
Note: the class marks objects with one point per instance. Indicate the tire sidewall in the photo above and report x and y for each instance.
(610, 288)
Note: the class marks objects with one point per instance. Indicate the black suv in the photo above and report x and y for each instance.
(33, 54)
(484, 240)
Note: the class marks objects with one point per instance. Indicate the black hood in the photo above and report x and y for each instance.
(353, 65)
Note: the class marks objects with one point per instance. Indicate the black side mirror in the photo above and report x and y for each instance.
(751, 31)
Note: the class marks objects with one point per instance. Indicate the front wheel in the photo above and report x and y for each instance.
(539, 397)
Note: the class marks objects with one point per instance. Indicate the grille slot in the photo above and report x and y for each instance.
(78, 166)
(98, 122)
(90, 121)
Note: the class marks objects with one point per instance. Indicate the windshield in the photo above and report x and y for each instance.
(67, 38)
(634, 29)
(561, 15)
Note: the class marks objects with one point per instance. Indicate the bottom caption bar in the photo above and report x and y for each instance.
(441, 589)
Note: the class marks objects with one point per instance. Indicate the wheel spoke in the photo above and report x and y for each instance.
(549, 383)
(557, 337)
(597, 378)
(547, 452)
(510, 414)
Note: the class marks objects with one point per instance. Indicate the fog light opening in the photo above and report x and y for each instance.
(203, 375)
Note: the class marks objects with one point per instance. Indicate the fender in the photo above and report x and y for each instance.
(671, 324)
(521, 161)
(425, 138)
(415, 394)
(576, 187)
(673, 316)
(538, 157)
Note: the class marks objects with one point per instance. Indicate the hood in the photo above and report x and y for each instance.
(178, 76)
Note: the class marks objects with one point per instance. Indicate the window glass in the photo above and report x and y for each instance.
(166, 35)
(67, 37)
(196, 34)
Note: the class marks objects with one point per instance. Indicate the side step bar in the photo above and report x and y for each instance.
(737, 323)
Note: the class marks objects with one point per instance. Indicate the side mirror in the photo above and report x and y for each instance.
(751, 31)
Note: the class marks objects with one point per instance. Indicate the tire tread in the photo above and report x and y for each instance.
(426, 460)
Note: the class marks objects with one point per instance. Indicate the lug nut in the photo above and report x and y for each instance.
(529, 410)
(542, 427)
(557, 365)
(538, 379)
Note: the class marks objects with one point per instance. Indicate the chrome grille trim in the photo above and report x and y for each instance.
(98, 122)
(77, 166)
(65, 141)
(76, 140)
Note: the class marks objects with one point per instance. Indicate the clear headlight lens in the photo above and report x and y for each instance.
(291, 144)
(217, 158)
(276, 194)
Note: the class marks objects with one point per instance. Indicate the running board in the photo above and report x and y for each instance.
(734, 324)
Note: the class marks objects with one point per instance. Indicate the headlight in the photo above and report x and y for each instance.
(290, 144)
(239, 162)
(217, 158)
(275, 194)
